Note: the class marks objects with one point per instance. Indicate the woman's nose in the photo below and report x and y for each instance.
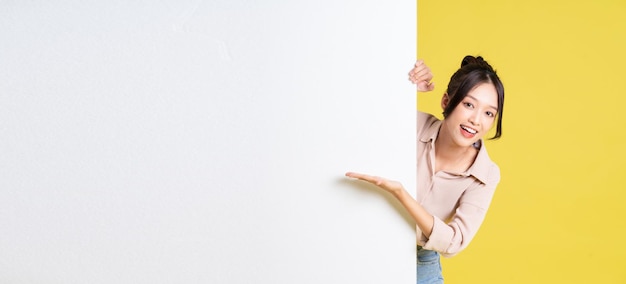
(475, 118)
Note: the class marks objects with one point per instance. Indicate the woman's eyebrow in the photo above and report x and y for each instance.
(496, 108)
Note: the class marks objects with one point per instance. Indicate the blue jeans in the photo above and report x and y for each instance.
(428, 267)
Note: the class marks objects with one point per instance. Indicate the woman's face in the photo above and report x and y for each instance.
(473, 117)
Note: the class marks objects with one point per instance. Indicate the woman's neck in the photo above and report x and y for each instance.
(452, 157)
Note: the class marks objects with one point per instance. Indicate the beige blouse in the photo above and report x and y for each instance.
(457, 200)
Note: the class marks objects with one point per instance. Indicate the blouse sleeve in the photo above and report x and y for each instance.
(452, 237)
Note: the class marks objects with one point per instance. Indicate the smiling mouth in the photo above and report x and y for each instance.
(469, 130)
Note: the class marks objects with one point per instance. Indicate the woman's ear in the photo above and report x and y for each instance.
(444, 101)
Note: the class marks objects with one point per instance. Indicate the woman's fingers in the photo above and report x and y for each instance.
(376, 180)
(421, 75)
(364, 177)
(388, 185)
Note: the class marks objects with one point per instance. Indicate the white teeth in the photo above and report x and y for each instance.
(469, 129)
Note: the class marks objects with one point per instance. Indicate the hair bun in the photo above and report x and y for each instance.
(471, 60)
(478, 62)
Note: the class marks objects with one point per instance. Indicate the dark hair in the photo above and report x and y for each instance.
(474, 71)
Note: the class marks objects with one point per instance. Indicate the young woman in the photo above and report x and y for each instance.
(456, 179)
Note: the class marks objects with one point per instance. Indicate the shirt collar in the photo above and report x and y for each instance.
(481, 167)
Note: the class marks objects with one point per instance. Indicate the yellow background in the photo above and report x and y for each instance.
(558, 213)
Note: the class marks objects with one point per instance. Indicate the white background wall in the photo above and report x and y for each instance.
(205, 141)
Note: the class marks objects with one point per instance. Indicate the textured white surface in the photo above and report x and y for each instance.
(205, 141)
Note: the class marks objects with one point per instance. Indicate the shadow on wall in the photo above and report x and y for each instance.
(370, 189)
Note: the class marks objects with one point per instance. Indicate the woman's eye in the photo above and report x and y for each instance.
(490, 114)
(469, 105)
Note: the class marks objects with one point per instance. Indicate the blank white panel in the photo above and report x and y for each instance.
(205, 141)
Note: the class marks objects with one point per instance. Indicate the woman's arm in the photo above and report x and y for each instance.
(450, 237)
(422, 218)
